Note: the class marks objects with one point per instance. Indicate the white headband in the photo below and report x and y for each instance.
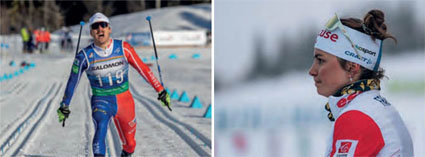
(334, 42)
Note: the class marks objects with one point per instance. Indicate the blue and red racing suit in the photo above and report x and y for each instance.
(107, 71)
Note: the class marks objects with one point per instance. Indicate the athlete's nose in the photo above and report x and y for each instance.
(313, 70)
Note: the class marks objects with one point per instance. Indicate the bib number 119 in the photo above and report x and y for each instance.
(119, 75)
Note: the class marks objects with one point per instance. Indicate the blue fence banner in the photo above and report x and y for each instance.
(139, 39)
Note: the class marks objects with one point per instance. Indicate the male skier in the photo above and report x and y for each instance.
(106, 63)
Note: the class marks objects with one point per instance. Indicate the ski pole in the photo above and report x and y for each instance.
(148, 18)
(76, 52)
(79, 36)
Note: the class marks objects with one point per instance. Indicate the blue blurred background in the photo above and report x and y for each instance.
(266, 103)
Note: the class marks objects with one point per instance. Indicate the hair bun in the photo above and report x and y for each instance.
(374, 25)
(375, 16)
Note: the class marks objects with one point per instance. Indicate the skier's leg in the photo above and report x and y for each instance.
(101, 116)
(125, 121)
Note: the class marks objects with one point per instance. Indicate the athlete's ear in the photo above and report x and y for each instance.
(356, 68)
(353, 68)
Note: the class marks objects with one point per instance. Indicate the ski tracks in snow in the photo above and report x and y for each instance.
(197, 142)
(16, 136)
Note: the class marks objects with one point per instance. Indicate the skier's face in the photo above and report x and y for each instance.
(101, 35)
(328, 74)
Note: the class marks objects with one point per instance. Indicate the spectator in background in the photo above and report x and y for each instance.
(37, 37)
(25, 38)
(66, 39)
(30, 42)
(42, 39)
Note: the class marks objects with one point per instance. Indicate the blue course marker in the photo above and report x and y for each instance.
(196, 103)
(184, 97)
(207, 114)
(172, 56)
(145, 60)
(175, 95)
(153, 58)
(196, 56)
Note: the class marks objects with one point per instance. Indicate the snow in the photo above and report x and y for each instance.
(195, 17)
(154, 136)
(32, 98)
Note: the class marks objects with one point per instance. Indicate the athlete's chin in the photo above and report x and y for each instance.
(323, 92)
(102, 40)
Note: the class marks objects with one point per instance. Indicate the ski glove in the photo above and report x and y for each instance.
(63, 112)
(165, 99)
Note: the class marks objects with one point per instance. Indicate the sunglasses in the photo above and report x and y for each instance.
(97, 24)
(335, 23)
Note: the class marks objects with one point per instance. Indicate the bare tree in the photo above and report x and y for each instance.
(45, 12)
(133, 6)
(30, 13)
(158, 4)
(142, 4)
(92, 7)
(54, 18)
(98, 6)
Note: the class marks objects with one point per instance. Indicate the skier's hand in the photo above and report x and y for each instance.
(165, 99)
(63, 112)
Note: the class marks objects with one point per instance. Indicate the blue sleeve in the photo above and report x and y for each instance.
(80, 64)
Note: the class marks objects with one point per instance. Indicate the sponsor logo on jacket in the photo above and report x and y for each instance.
(347, 99)
(117, 50)
(76, 62)
(106, 66)
(382, 100)
(345, 148)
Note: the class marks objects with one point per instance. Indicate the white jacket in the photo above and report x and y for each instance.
(367, 125)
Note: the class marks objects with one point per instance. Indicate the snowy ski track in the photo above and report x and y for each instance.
(29, 123)
(37, 124)
(174, 124)
(30, 127)
(164, 111)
